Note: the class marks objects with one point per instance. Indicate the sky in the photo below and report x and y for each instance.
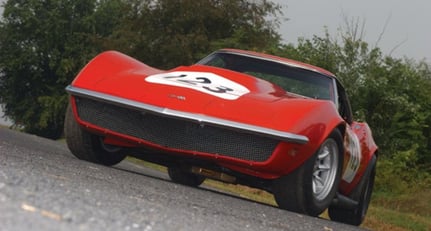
(405, 25)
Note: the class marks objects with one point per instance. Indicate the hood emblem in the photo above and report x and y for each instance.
(178, 97)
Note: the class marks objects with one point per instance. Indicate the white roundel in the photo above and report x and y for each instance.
(354, 149)
(205, 82)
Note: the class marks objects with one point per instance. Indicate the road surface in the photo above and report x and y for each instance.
(43, 187)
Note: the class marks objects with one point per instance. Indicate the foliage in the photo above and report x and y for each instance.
(398, 197)
(168, 33)
(397, 177)
(45, 43)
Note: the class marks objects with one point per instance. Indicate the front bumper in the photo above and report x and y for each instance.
(177, 131)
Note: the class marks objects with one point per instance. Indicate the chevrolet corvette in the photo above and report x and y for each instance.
(236, 116)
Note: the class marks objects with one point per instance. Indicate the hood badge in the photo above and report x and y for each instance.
(178, 97)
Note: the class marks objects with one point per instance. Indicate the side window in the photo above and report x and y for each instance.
(344, 104)
(217, 62)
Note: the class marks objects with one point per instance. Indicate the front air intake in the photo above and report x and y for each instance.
(176, 133)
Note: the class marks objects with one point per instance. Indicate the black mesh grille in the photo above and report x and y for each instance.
(175, 133)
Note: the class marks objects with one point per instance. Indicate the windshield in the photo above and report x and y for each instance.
(292, 79)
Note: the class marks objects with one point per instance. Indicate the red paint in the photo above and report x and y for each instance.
(266, 105)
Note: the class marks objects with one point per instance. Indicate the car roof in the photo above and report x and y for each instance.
(285, 61)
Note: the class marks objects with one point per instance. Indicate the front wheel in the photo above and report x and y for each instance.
(311, 188)
(89, 147)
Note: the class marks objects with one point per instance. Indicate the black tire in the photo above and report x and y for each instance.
(357, 215)
(89, 147)
(299, 192)
(182, 176)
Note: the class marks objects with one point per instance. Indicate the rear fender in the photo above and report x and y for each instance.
(355, 194)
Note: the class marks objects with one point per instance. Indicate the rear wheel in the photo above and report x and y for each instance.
(357, 215)
(89, 147)
(179, 174)
(311, 188)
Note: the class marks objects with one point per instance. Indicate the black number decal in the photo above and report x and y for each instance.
(200, 81)
(220, 89)
(197, 80)
(175, 77)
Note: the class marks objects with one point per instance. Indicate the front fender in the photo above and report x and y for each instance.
(109, 64)
(315, 119)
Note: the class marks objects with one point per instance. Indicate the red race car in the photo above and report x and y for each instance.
(236, 116)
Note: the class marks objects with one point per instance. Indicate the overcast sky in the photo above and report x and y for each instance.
(408, 22)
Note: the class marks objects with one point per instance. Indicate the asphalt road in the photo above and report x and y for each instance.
(43, 187)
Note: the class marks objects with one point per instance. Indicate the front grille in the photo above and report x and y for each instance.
(176, 133)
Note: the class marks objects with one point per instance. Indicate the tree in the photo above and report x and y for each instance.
(43, 46)
(168, 33)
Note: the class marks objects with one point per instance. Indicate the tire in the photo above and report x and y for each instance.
(89, 147)
(311, 188)
(181, 176)
(357, 215)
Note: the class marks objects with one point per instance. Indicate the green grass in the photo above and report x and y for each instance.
(407, 211)
(400, 210)
(381, 218)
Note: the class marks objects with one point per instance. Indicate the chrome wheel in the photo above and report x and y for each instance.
(325, 169)
(311, 188)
